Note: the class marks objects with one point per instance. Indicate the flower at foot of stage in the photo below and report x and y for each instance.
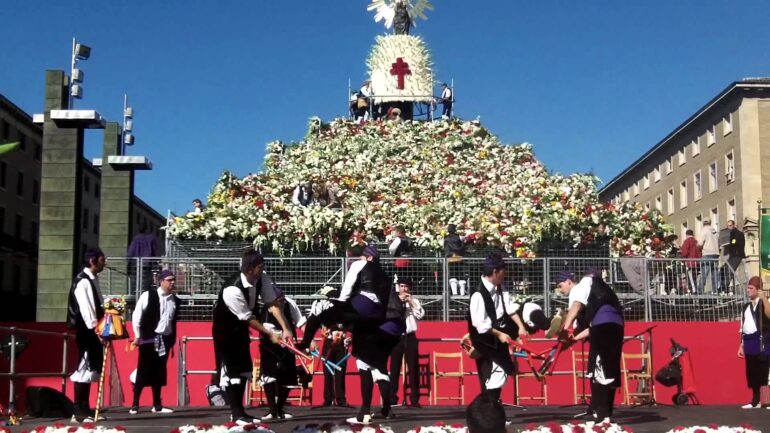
(341, 428)
(577, 427)
(87, 427)
(440, 427)
(228, 427)
(112, 325)
(13, 417)
(713, 428)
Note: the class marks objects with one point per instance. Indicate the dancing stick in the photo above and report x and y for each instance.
(101, 383)
(293, 349)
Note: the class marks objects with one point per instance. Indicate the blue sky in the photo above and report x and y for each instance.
(591, 84)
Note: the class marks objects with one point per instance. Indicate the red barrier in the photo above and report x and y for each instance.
(713, 346)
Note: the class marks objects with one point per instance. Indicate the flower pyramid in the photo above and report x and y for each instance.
(419, 175)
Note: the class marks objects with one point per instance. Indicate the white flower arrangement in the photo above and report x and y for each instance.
(228, 427)
(418, 85)
(713, 428)
(440, 427)
(422, 176)
(86, 427)
(576, 427)
(341, 428)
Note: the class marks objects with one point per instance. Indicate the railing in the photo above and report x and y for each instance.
(12, 374)
(649, 289)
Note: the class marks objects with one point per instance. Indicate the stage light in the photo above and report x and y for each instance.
(82, 52)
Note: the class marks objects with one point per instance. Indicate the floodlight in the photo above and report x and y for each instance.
(77, 75)
(82, 52)
(76, 91)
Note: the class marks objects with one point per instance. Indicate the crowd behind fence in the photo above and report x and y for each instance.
(649, 289)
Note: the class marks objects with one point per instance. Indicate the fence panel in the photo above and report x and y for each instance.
(119, 277)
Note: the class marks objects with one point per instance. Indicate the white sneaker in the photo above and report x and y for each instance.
(286, 416)
(751, 406)
(378, 376)
(269, 417)
(246, 421)
(367, 419)
(162, 410)
(133, 411)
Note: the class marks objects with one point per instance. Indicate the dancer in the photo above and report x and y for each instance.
(235, 312)
(528, 317)
(486, 318)
(600, 316)
(755, 340)
(154, 322)
(84, 313)
(278, 365)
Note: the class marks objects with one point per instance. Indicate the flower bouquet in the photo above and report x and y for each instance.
(86, 427)
(713, 428)
(112, 327)
(228, 427)
(340, 428)
(577, 427)
(440, 427)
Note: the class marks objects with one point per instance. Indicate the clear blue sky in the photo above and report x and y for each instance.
(591, 84)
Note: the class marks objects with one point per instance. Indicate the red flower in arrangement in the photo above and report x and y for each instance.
(203, 426)
(747, 426)
(700, 430)
(356, 427)
(262, 228)
(119, 428)
(249, 427)
(629, 429)
(439, 424)
(5, 430)
(555, 428)
(678, 428)
(259, 204)
(88, 425)
(417, 429)
(229, 424)
(450, 160)
(176, 430)
(72, 429)
(457, 425)
(58, 425)
(578, 429)
(714, 426)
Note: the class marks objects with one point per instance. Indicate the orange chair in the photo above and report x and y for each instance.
(637, 367)
(459, 375)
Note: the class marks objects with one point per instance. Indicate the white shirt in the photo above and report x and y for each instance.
(749, 327)
(414, 312)
(85, 299)
(296, 314)
(366, 91)
(394, 246)
(479, 318)
(350, 281)
(446, 94)
(709, 241)
(580, 292)
(236, 302)
(167, 310)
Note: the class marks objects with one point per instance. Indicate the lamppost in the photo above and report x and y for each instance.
(79, 52)
(127, 138)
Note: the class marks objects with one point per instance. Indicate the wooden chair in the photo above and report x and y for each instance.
(305, 392)
(637, 368)
(542, 398)
(255, 391)
(581, 389)
(459, 375)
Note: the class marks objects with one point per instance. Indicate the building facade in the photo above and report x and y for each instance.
(20, 173)
(715, 166)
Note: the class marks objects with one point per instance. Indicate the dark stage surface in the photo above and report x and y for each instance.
(641, 419)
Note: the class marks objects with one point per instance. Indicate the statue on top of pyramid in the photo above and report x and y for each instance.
(399, 14)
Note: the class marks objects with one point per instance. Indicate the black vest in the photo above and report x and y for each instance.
(373, 279)
(151, 316)
(601, 294)
(225, 323)
(487, 341)
(74, 318)
(760, 320)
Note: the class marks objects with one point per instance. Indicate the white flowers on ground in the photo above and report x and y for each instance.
(575, 427)
(713, 428)
(341, 428)
(228, 427)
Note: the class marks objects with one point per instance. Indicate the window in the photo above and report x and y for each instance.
(20, 184)
(38, 152)
(711, 136)
(647, 207)
(659, 203)
(698, 225)
(727, 124)
(22, 142)
(696, 186)
(96, 224)
(670, 201)
(3, 174)
(656, 174)
(731, 210)
(87, 183)
(85, 219)
(729, 167)
(715, 218)
(684, 230)
(669, 165)
(682, 157)
(695, 145)
(626, 195)
(713, 179)
(646, 182)
(35, 192)
(636, 189)
(97, 190)
(19, 226)
(683, 194)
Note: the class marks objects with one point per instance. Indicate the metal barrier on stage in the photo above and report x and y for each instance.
(14, 348)
(649, 289)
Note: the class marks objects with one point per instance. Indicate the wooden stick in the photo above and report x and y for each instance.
(101, 383)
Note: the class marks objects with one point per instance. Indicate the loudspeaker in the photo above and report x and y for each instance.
(44, 402)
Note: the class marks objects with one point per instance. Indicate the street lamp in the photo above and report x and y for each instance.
(127, 138)
(79, 52)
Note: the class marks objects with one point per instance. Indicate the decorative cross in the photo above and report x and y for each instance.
(400, 69)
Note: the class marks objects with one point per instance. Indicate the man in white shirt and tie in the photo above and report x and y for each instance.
(446, 100)
(408, 346)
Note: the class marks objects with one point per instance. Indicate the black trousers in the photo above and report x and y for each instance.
(334, 384)
(606, 343)
(407, 347)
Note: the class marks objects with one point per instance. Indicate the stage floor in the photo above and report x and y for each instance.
(658, 419)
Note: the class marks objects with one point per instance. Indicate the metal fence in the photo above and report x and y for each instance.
(649, 289)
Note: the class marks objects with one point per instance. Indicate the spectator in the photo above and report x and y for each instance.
(734, 252)
(142, 246)
(709, 245)
(690, 251)
(198, 206)
(401, 248)
(447, 99)
(454, 249)
(303, 194)
(485, 414)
